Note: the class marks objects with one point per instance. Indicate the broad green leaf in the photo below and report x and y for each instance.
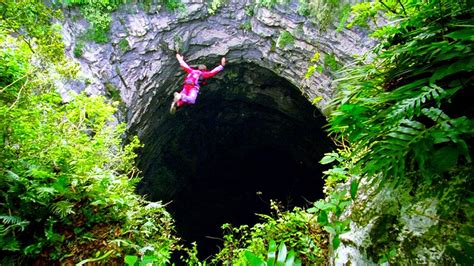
(310, 72)
(383, 259)
(290, 259)
(146, 260)
(316, 99)
(439, 137)
(400, 136)
(330, 229)
(253, 260)
(322, 205)
(281, 254)
(464, 65)
(271, 256)
(412, 85)
(336, 170)
(297, 262)
(464, 34)
(328, 159)
(354, 187)
(130, 260)
(344, 203)
(408, 130)
(393, 252)
(320, 68)
(12, 175)
(336, 241)
(413, 124)
(315, 57)
(445, 158)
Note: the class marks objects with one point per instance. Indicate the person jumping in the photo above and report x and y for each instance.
(192, 82)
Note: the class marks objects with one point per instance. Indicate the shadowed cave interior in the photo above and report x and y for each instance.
(251, 137)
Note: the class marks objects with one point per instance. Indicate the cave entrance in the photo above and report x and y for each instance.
(251, 137)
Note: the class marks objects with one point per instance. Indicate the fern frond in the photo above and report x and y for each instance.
(62, 208)
(388, 154)
(3, 230)
(10, 219)
(44, 191)
(13, 222)
(412, 106)
(435, 114)
(9, 244)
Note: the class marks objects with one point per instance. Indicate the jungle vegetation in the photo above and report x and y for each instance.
(402, 118)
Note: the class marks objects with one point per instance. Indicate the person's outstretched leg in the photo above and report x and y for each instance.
(187, 95)
(176, 103)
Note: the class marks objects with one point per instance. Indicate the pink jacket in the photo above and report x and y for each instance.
(194, 74)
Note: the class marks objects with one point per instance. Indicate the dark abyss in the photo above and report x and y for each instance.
(250, 137)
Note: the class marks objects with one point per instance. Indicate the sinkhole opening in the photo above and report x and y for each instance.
(250, 137)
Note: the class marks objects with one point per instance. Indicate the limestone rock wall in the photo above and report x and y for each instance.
(146, 72)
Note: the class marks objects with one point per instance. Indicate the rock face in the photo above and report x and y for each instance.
(399, 224)
(252, 136)
(146, 72)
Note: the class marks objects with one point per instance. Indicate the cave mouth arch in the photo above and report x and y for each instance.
(251, 137)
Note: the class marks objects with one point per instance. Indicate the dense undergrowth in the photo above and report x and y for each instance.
(401, 116)
(67, 182)
(406, 125)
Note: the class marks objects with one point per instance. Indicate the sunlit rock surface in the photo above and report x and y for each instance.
(146, 73)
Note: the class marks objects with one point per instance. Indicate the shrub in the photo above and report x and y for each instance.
(285, 39)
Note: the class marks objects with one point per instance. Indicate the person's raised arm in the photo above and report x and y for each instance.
(208, 74)
(183, 64)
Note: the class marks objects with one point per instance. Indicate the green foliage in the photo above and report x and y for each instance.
(285, 39)
(214, 6)
(331, 63)
(30, 21)
(405, 115)
(282, 257)
(344, 16)
(246, 26)
(112, 92)
(78, 49)
(316, 100)
(329, 212)
(67, 181)
(313, 67)
(173, 4)
(249, 10)
(267, 3)
(364, 13)
(132, 260)
(323, 12)
(405, 124)
(155, 5)
(273, 45)
(73, 173)
(123, 45)
(297, 229)
(97, 14)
